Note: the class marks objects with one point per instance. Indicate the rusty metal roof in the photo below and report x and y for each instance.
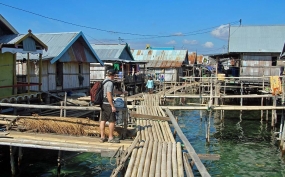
(192, 57)
(161, 58)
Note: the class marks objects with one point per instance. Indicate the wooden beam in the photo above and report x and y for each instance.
(135, 115)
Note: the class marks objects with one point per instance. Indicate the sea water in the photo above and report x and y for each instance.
(245, 144)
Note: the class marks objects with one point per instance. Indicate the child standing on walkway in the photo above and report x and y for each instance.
(150, 85)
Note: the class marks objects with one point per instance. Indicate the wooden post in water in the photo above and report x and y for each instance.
(61, 110)
(58, 163)
(267, 110)
(261, 112)
(65, 98)
(208, 127)
(273, 116)
(20, 156)
(241, 93)
(12, 162)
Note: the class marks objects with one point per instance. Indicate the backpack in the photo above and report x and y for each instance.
(97, 91)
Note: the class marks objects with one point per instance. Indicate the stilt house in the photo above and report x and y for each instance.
(11, 43)
(129, 76)
(253, 51)
(65, 66)
(167, 63)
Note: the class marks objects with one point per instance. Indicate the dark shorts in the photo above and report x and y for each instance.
(107, 114)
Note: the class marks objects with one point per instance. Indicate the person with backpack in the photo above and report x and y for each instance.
(108, 108)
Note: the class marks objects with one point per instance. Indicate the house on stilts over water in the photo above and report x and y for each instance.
(11, 44)
(65, 66)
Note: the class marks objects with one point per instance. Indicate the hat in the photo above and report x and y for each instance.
(111, 72)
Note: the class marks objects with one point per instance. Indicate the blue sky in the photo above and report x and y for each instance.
(195, 25)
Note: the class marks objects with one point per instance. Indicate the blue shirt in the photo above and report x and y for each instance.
(149, 84)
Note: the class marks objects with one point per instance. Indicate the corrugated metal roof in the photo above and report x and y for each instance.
(10, 38)
(6, 26)
(192, 57)
(112, 51)
(161, 58)
(66, 47)
(256, 38)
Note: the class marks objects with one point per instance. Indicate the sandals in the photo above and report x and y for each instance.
(114, 140)
(102, 140)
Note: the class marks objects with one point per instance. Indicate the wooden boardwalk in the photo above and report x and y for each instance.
(156, 152)
(62, 142)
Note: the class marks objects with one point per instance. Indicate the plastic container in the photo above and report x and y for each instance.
(221, 77)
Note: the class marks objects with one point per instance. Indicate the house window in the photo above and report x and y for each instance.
(274, 61)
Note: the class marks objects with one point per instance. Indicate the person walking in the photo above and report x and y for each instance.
(108, 108)
(150, 85)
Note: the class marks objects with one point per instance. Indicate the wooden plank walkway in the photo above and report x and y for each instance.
(158, 154)
(62, 142)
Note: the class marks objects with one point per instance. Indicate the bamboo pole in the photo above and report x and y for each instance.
(249, 108)
(179, 160)
(188, 169)
(54, 107)
(170, 135)
(174, 160)
(148, 159)
(131, 163)
(153, 159)
(169, 159)
(158, 160)
(142, 159)
(138, 158)
(163, 161)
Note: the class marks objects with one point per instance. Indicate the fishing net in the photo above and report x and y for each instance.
(68, 126)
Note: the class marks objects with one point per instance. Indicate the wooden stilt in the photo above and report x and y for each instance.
(20, 156)
(12, 161)
(273, 115)
(58, 163)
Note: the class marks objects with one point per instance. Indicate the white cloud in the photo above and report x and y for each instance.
(178, 34)
(222, 32)
(208, 45)
(191, 42)
(171, 42)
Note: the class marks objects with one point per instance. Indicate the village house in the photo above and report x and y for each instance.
(253, 51)
(65, 66)
(168, 64)
(11, 43)
(129, 76)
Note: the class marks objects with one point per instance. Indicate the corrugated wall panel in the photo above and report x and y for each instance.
(6, 66)
(97, 72)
